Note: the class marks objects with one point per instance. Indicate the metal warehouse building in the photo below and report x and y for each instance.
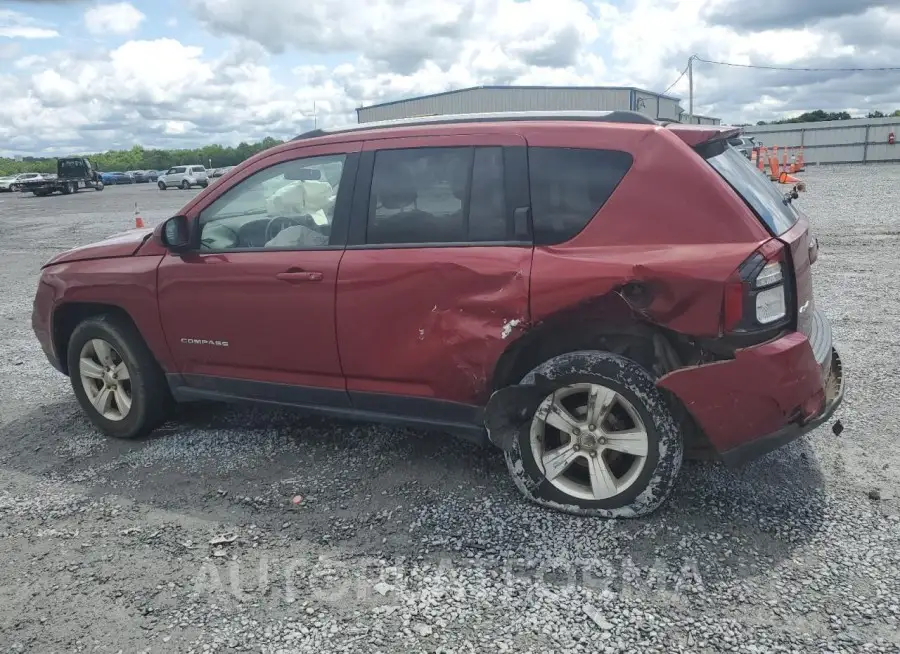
(488, 99)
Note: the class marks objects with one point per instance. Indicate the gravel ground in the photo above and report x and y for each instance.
(248, 529)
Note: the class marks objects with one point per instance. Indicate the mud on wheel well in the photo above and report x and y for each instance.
(657, 349)
(68, 316)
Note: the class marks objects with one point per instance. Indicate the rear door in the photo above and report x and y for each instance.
(436, 274)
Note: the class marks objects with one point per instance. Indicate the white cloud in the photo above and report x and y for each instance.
(15, 25)
(119, 18)
(169, 92)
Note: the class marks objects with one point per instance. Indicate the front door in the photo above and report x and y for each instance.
(435, 279)
(250, 312)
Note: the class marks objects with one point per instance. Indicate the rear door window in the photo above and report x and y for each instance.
(437, 195)
(755, 188)
(569, 186)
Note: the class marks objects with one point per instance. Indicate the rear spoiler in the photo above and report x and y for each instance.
(695, 135)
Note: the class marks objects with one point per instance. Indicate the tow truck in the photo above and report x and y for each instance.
(72, 174)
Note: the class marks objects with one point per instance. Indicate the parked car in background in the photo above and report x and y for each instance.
(218, 172)
(744, 144)
(153, 175)
(14, 182)
(139, 176)
(183, 177)
(116, 178)
(504, 277)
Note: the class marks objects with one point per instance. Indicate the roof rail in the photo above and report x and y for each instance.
(630, 117)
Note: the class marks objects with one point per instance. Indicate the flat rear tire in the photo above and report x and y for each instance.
(604, 441)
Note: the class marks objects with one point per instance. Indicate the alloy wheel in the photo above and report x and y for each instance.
(106, 379)
(589, 441)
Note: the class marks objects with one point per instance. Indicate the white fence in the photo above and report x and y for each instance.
(835, 141)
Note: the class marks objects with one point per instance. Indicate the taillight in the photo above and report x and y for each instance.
(758, 293)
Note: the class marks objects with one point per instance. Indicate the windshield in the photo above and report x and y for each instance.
(756, 189)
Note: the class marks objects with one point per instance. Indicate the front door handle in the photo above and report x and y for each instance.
(293, 276)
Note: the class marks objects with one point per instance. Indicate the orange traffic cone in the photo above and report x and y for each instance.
(773, 165)
(785, 178)
(138, 221)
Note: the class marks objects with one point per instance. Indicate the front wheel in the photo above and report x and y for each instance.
(15, 188)
(116, 380)
(162, 186)
(602, 443)
(98, 186)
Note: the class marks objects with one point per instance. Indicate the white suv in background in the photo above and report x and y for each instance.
(183, 177)
(14, 182)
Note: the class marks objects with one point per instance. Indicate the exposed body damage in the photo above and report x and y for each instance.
(673, 292)
(758, 392)
(443, 343)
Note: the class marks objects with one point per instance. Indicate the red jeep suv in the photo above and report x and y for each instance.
(597, 294)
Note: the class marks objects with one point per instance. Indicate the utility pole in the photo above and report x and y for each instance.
(691, 89)
(315, 116)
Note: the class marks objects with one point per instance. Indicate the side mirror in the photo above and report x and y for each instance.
(175, 234)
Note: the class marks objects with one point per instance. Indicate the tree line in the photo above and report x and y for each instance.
(139, 158)
(819, 116)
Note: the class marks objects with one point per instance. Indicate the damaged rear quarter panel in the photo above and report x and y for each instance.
(685, 282)
(430, 322)
(671, 224)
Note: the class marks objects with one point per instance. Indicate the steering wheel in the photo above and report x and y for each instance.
(283, 222)
(305, 220)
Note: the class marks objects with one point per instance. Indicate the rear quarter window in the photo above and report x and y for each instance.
(753, 186)
(569, 186)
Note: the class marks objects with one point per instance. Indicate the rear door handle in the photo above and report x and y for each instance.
(294, 276)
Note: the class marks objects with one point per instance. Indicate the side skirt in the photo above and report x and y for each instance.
(460, 420)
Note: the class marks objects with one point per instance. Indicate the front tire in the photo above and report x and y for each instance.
(602, 443)
(115, 378)
(161, 185)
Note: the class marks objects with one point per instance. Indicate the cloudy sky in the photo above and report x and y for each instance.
(88, 75)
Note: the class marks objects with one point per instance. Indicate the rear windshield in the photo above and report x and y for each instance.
(756, 189)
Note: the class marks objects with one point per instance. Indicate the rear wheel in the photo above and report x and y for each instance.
(603, 442)
(116, 379)
(185, 184)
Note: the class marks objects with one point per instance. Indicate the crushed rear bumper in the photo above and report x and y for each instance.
(766, 396)
(834, 395)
